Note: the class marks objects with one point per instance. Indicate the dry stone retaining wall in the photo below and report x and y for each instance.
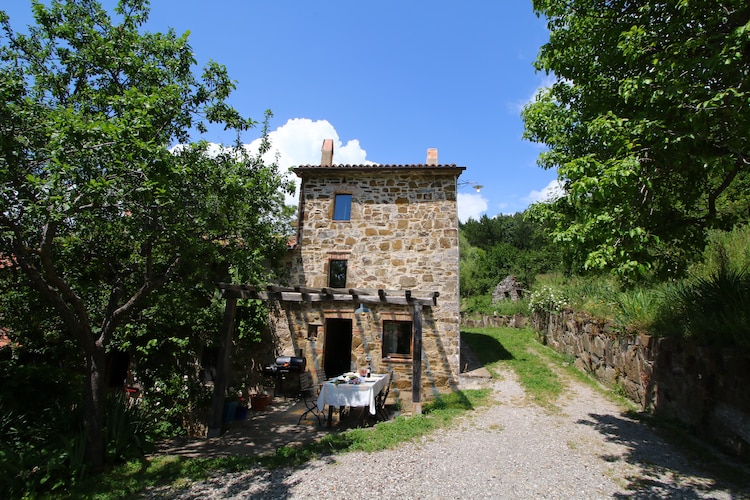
(704, 388)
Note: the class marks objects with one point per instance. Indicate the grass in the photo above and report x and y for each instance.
(482, 304)
(133, 477)
(534, 364)
(518, 350)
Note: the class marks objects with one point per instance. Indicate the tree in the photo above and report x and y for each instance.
(647, 125)
(97, 208)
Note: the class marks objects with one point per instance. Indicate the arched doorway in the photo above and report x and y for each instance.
(337, 351)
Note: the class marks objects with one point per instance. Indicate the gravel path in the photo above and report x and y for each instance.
(511, 449)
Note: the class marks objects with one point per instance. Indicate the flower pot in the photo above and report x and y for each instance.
(230, 409)
(241, 413)
(259, 401)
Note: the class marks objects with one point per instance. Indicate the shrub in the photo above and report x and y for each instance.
(547, 299)
(712, 310)
(42, 450)
(482, 304)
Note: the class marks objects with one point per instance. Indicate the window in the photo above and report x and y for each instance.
(397, 339)
(337, 273)
(342, 207)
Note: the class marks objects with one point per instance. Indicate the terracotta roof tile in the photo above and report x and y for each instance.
(314, 168)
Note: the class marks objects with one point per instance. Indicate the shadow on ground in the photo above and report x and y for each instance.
(656, 460)
(478, 350)
(262, 432)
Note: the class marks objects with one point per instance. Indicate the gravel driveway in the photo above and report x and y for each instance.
(511, 449)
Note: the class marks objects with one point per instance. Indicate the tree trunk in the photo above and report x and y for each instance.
(94, 408)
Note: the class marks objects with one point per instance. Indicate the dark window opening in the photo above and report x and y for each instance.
(342, 207)
(397, 339)
(337, 274)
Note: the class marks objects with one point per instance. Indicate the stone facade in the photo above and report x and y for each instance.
(402, 235)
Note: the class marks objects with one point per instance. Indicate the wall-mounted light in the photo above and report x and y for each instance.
(474, 185)
(361, 308)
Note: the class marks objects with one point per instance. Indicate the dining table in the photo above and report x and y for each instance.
(337, 393)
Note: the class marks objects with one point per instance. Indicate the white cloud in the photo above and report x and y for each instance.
(550, 192)
(299, 141)
(471, 206)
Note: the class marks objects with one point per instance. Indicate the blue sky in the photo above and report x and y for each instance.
(386, 80)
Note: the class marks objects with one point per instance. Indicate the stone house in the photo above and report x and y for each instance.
(374, 274)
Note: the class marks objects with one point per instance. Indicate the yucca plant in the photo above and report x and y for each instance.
(713, 310)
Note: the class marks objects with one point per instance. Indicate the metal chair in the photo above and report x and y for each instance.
(308, 393)
(380, 400)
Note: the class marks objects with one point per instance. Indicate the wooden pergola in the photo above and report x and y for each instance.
(300, 294)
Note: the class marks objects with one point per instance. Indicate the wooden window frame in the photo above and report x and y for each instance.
(331, 269)
(396, 356)
(337, 200)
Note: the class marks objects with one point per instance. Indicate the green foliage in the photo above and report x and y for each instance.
(713, 311)
(117, 216)
(482, 304)
(636, 309)
(709, 306)
(547, 300)
(512, 307)
(646, 125)
(602, 296)
(493, 248)
(725, 249)
(42, 449)
(477, 304)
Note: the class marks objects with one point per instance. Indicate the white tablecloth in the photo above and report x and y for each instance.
(344, 394)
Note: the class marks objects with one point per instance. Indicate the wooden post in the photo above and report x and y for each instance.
(222, 368)
(416, 373)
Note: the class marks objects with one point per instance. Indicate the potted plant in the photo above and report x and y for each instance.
(241, 413)
(231, 401)
(260, 400)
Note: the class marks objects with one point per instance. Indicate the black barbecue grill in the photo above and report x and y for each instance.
(280, 369)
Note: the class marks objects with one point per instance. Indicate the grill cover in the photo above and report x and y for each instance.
(286, 364)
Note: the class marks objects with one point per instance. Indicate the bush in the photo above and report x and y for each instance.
(547, 299)
(482, 304)
(42, 450)
(712, 310)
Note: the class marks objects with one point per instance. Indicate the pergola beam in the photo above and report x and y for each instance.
(327, 294)
(231, 293)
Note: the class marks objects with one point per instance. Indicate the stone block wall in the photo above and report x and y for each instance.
(499, 321)
(615, 359)
(402, 235)
(704, 388)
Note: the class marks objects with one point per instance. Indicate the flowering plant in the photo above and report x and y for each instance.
(547, 300)
(348, 378)
(233, 395)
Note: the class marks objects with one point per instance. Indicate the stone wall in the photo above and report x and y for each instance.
(402, 235)
(704, 388)
(499, 321)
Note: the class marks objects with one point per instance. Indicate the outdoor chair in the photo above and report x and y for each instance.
(380, 400)
(322, 377)
(308, 393)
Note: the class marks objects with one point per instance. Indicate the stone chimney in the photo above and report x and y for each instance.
(432, 158)
(326, 159)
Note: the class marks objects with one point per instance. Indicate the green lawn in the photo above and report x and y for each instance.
(518, 350)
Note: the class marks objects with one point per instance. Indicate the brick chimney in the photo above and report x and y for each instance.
(432, 158)
(326, 159)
